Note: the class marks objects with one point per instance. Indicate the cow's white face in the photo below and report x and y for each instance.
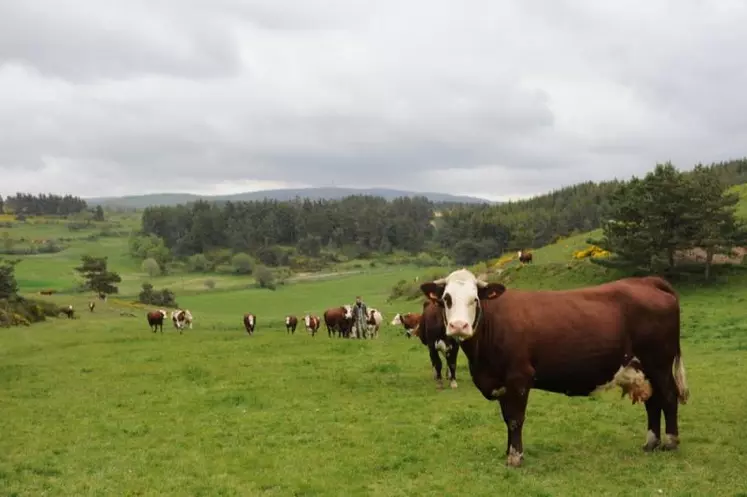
(287, 320)
(459, 294)
(397, 320)
(307, 321)
(163, 312)
(348, 311)
(251, 319)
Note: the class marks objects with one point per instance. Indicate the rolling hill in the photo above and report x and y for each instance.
(328, 193)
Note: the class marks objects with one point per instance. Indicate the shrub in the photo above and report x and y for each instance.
(265, 278)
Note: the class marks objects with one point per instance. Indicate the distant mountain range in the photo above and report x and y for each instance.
(328, 193)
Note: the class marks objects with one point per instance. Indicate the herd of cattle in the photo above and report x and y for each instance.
(625, 334)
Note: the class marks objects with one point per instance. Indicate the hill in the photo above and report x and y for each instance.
(326, 193)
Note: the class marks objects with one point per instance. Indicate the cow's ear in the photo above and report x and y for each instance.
(491, 291)
(433, 291)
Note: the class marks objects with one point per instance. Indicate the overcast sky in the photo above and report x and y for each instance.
(494, 99)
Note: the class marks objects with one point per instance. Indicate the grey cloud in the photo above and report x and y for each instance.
(513, 99)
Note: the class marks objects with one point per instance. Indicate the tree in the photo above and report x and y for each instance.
(2, 205)
(265, 278)
(151, 267)
(650, 218)
(98, 213)
(243, 263)
(98, 278)
(8, 283)
(716, 229)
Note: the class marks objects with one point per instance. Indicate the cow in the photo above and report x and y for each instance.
(432, 334)
(312, 323)
(290, 324)
(68, 311)
(155, 319)
(250, 321)
(47, 292)
(409, 321)
(91, 305)
(624, 333)
(102, 296)
(339, 319)
(373, 322)
(525, 257)
(181, 318)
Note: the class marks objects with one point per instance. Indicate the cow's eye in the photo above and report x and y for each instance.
(447, 301)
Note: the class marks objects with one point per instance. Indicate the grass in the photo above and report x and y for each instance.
(99, 405)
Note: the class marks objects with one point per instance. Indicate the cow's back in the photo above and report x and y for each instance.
(576, 339)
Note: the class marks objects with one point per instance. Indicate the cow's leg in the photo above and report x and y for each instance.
(666, 387)
(436, 363)
(653, 414)
(513, 401)
(451, 360)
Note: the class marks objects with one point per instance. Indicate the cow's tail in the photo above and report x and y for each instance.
(680, 378)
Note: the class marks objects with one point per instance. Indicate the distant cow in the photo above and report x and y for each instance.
(409, 322)
(373, 322)
(432, 334)
(68, 311)
(625, 333)
(155, 319)
(312, 323)
(181, 318)
(525, 257)
(339, 319)
(47, 292)
(290, 324)
(250, 321)
(102, 296)
(91, 305)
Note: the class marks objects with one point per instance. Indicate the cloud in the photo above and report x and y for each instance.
(498, 99)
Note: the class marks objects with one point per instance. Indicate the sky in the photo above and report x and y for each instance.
(493, 99)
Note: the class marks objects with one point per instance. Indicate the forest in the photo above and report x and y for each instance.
(359, 226)
(42, 205)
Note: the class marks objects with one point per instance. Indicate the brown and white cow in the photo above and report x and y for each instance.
(91, 305)
(525, 257)
(312, 323)
(432, 334)
(625, 333)
(181, 318)
(290, 324)
(373, 322)
(68, 311)
(155, 319)
(339, 319)
(409, 321)
(250, 321)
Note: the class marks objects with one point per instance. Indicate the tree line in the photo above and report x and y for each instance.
(42, 204)
(360, 225)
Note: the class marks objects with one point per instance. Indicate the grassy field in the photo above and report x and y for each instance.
(99, 405)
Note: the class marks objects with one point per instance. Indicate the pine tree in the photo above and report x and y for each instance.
(98, 278)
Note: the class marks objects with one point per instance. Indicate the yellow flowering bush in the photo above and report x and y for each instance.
(591, 251)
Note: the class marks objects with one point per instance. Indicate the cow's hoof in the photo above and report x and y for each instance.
(514, 458)
(439, 385)
(673, 443)
(453, 384)
(652, 442)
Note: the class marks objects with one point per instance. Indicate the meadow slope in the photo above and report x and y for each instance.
(100, 405)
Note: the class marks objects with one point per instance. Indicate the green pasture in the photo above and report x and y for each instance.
(99, 405)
